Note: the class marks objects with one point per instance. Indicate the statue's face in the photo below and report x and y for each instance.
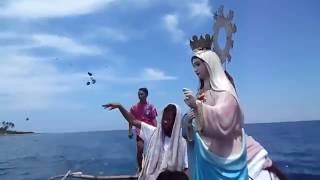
(200, 69)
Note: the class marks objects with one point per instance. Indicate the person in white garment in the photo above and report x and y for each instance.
(166, 150)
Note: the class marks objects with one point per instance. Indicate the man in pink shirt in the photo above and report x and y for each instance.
(145, 112)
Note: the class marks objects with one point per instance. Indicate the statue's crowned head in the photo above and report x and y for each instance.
(201, 43)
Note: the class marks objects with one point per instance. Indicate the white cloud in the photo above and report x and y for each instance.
(147, 74)
(29, 83)
(50, 8)
(155, 75)
(200, 9)
(11, 35)
(61, 43)
(64, 44)
(171, 24)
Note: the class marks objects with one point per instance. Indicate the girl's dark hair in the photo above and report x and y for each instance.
(145, 90)
(171, 108)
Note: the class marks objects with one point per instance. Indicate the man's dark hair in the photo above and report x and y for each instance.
(172, 175)
(145, 90)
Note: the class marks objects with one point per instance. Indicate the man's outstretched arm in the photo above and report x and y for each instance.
(128, 116)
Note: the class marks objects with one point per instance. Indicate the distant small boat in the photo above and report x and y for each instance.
(80, 175)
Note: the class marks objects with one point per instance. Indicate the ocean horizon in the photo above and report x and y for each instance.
(293, 147)
(110, 130)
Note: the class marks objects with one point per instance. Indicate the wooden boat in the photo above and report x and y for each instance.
(80, 175)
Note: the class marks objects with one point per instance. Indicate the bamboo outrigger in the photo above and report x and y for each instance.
(80, 175)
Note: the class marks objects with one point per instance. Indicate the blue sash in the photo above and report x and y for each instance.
(205, 165)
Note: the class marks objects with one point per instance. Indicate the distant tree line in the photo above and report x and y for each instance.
(6, 125)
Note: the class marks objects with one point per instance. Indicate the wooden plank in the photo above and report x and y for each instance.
(80, 175)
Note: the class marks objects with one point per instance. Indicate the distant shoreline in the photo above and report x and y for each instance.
(8, 132)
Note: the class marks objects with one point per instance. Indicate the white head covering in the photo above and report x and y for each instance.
(156, 159)
(218, 78)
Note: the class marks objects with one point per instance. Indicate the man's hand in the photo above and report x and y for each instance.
(128, 116)
(111, 106)
(130, 134)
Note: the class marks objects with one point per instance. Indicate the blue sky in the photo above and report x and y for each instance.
(47, 47)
